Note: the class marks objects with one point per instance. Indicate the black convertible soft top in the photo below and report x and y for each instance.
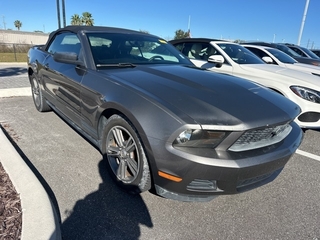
(78, 28)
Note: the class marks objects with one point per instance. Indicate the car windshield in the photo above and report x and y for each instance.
(310, 53)
(239, 54)
(118, 49)
(281, 56)
(287, 50)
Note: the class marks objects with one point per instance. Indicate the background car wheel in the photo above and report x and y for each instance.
(37, 96)
(125, 155)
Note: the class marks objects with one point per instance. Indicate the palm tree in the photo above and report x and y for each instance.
(76, 20)
(17, 24)
(87, 19)
(181, 34)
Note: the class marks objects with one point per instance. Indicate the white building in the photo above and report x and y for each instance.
(20, 37)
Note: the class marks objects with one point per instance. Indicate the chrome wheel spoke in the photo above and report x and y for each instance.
(113, 151)
(130, 145)
(35, 92)
(118, 136)
(121, 171)
(133, 166)
(37, 99)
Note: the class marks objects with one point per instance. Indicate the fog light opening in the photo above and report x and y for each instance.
(203, 185)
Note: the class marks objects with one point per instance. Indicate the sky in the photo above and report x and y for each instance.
(248, 20)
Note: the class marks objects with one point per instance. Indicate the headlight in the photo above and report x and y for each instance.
(306, 93)
(199, 138)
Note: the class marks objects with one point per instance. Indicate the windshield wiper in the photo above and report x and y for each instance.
(120, 65)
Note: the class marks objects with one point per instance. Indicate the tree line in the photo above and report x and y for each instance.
(86, 19)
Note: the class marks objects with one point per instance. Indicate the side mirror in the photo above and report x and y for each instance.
(267, 59)
(217, 59)
(67, 57)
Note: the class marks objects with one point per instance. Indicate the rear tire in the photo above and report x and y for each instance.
(38, 99)
(125, 156)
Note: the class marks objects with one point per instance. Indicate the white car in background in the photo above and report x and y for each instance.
(277, 57)
(234, 59)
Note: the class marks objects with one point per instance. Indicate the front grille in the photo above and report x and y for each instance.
(258, 138)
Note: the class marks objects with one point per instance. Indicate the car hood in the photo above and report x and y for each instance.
(208, 98)
(281, 74)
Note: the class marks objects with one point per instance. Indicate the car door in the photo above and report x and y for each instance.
(62, 80)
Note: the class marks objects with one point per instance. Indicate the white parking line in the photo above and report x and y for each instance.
(309, 155)
(13, 92)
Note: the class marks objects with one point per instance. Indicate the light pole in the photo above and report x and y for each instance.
(58, 13)
(303, 20)
(63, 13)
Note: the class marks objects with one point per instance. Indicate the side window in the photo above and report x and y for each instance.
(65, 42)
(209, 51)
(179, 46)
(201, 51)
(195, 51)
(257, 52)
(299, 52)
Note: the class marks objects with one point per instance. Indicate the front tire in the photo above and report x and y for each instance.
(38, 99)
(126, 159)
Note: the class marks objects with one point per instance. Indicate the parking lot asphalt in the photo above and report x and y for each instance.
(92, 207)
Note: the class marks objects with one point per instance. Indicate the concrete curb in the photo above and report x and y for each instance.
(39, 217)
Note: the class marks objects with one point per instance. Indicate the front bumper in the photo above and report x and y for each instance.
(205, 178)
(309, 117)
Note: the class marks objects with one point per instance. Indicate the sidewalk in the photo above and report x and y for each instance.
(14, 80)
(39, 217)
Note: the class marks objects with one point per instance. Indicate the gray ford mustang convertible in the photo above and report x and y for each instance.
(161, 123)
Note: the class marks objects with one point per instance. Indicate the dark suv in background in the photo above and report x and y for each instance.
(316, 52)
(302, 51)
(283, 47)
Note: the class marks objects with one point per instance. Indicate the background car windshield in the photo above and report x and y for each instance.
(310, 53)
(240, 54)
(281, 56)
(110, 48)
(288, 50)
